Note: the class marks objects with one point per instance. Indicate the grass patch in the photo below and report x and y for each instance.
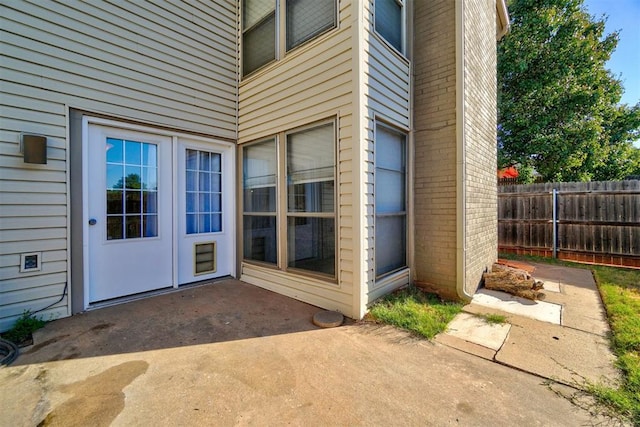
(620, 291)
(494, 319)
(414, 310)
(23, 328)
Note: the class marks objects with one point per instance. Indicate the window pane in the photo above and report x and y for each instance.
(311, 244)
(390, 243)
(310, 155)
(260, 199)
(134, 226)
(216, 182)
(388, 16)
(150, 155)
(216, 162)
(192, 223)
(254, 11)
(115, 149)
(133, 202)
(390, 191)
(216, 223)
(389, 148)
(133, 177)
(115, 175)
(311, 197)
(150, 225)
(260, 238)
(259, 177)
(205, 163)
(114, 201)
(307, 19)
(205, 181)
(259, 45)
(192, 160)
(114, 227)
(133, 153)
(150, 202)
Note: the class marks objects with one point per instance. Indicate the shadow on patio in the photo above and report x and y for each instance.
(225, 310)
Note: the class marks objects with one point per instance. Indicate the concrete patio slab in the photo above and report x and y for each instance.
(476, 330)
(539, 310)
(351, 375)
(568, 345)
(559, 353)
(551, 286)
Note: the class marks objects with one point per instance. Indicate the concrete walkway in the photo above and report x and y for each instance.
(233, 354)
(563, 338)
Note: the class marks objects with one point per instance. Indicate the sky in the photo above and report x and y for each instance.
(623, 15)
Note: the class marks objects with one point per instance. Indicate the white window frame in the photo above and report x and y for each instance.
(403, 23)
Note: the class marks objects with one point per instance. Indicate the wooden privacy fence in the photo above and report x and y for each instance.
(595, 222)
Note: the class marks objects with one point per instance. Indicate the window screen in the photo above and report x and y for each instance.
(307, 19)
(258, 35)
(388, 21)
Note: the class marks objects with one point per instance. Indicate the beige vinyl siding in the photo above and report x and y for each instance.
(387, 77)
(311, 83)
(171, 64)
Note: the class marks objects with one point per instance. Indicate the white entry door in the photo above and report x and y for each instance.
(129, 212)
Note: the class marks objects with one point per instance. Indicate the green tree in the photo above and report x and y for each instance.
(558, 106)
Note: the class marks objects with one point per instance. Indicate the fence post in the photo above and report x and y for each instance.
(555, 222)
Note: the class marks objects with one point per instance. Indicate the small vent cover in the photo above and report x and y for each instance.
(204, 258)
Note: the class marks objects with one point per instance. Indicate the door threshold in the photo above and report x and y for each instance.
(143, 295)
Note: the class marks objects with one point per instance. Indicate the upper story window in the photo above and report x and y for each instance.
(266, 22)
(258, 34)
(307, 19)
(389, 21)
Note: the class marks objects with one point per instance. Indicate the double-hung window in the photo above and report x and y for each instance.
(389, 21)
(305, 214)
(390, 200)
(266, 22)
(260, 201)
(310, 199)
(258, 34)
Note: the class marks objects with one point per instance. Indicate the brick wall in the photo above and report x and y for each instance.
(481, 236)
(435, 145)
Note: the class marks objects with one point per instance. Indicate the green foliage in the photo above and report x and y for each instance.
(414, 310)
(495, 319)
(558, 106)
(23, 328)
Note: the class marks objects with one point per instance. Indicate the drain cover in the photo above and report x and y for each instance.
(328, 319)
